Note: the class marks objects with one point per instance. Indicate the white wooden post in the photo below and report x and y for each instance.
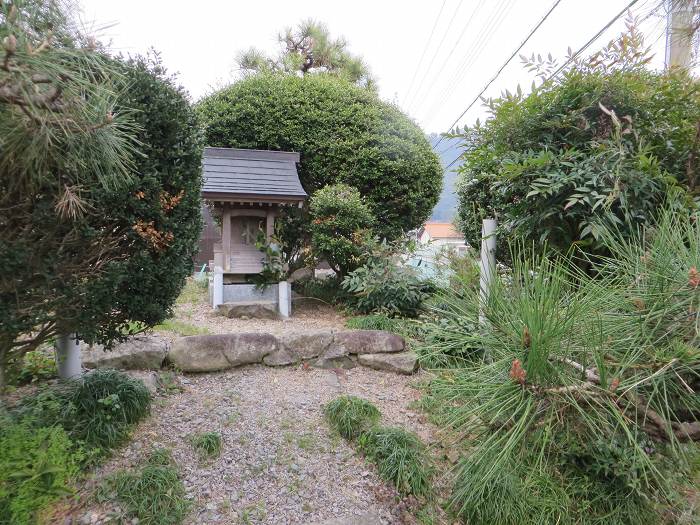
(487, 265)
(217, 296)
(68, 359)
(285, 299)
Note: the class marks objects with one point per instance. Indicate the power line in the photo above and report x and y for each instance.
(437, 50)
(454, 47)
(482, 39)
(587, 44)
(488, 84)
(425, 48)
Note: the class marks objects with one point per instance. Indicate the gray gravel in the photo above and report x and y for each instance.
(279, 463)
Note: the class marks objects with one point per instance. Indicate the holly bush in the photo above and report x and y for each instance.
(340, 225)
(599, 148)
(158, 209)
(344, 133)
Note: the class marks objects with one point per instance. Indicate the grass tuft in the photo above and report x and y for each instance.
(350, 415)
(154, 494)
(207, 444)
(400, 458)
(181, 328)
(99, 408)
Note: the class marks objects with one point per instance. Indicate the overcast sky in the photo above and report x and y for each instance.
(472, 39)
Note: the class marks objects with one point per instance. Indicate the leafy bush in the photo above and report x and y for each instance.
(154, 494)
(344, 133)
(351, 415)
(400, 458)
(384, 284)
(578, 390)
(99, 408)
(602, 145)
(37, 365)
(340, 226)
(207, 444)
(37, 467)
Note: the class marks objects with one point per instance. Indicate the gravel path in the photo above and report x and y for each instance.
(279, 462)
(309, 316)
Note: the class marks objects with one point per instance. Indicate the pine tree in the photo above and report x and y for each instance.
(309, 48)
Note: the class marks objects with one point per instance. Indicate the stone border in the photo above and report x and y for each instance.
(324, 349)
(344, 349)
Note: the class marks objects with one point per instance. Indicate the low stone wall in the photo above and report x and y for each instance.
(323, 349)
(208, 353)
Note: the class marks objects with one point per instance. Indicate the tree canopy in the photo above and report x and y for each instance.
(344, 133)
(99, 185)
(308, 48)
(601, 146)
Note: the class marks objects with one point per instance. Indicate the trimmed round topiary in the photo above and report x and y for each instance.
(343, 132)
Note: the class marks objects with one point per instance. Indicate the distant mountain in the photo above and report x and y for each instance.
(448, 150)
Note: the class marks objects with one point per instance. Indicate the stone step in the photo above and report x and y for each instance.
(250, 310)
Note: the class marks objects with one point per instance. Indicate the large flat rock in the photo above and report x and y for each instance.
(208, 353)
(364, 342)
(307, 345)
(141, 352)
(250, 310)
(400, 363)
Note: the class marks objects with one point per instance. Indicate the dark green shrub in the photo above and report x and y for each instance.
(344, 133)
(400, 457)
(386, 284)
(37, 467)
(351, 415)
(158, 209)
(48, 249)
(98, 408)
(207, 444)
(154, 494)
(603, 145)
(340, 226)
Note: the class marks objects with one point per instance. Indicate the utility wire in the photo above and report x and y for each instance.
(425, 48)
(454, 47)
(587, 44)
(488, 84)
(437, 50)
(482, 39)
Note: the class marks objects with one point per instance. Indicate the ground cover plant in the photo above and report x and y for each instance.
(400, 457)
(97, 409)
(207, 444)
(37, 467)
(53, 435)
(578, 394)
(153, 493)
(349, 416)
